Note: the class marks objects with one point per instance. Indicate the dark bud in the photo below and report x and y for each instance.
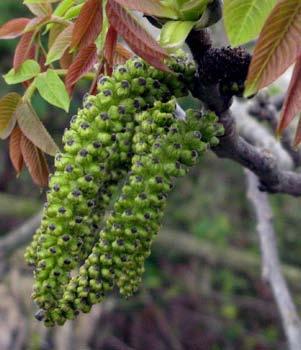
(108, 92)
(83, 153)
(40, 315)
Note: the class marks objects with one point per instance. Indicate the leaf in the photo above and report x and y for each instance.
(63, 7)
(139, 40)
(28, 70)
(34, 130)
(52, 89)
(14, 28)
(278, 46)
(36, 23)
(174, 33)
(66, 60)
(35, 161)
(110, 44)
(297, 140)
(54, 30)
(73, 12)
(149, 7)
(60, 45)
(292, 103)
(8, 105)
(24, 50)
(15, 153)
(244, 19)
(121, 54)
(82, 64)
(88, 24)
(41, 9)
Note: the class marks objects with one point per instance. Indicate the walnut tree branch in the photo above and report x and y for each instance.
(271, 265)
(218, 71)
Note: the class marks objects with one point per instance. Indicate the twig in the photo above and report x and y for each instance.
(271, 265)
(20, 236)
(177, 243)
(258, 135)
(232, 146)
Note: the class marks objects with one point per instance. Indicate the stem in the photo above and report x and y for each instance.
(271, 268)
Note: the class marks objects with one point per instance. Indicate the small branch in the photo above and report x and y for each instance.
(258, 135)
(263, 164)
(20, 236)
(271, 265)
(232, 146)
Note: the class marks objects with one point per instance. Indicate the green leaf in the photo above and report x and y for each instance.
(52, 89)
(33, 128)
(174, 33)
(28, 70)
(63, 7)
(73, 12)
(192, 10)
(244, 18)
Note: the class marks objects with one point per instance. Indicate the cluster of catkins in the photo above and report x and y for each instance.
(107, 195)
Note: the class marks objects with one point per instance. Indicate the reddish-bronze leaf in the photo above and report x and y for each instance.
(25, 49)
(88, 25)
(139, 40)
(149, 7)
(34, 130)
(292, 103)
(121, 55)
(278, 46)
(66, 60)
(82, 64)
(15, 153)
(298, 134)
(14, 28)
(110, 45)
(35, 161)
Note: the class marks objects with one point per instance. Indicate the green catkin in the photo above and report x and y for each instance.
(164, 148)
(97, 144)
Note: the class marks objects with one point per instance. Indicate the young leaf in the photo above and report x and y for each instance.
(110, 45)
(8, 105)
(35, 161)
(63, 7)
(245, 18)
(41, 9)
(25, 49)
(14, 28)
(52, 89)
(28, 70)
(292, 103)
(34, 130)
(297, 140)
(36, 23)
(15, 153)
(66, 60)
(139, 40)
(149, 7)
(174, 33)
(121, 55)
(60, 45)
(82, 64)
(88, 24)
(278, 46)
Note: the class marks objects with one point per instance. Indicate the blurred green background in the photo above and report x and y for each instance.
(213, 299)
